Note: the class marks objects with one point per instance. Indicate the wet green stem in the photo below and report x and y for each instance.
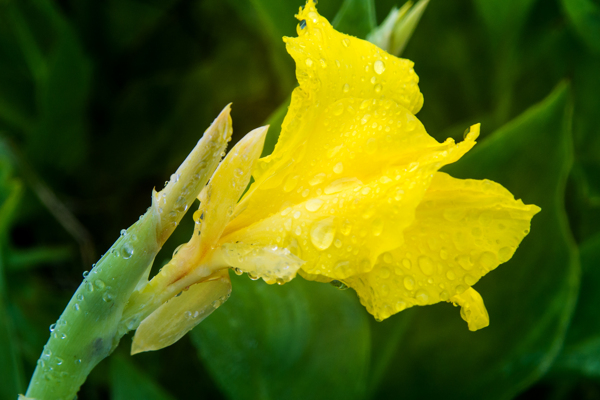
(87, 331)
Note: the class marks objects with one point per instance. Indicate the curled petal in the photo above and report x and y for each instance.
(472, 309)
(172, 320)
(462, 230)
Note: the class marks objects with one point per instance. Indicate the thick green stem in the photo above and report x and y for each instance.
(87, 331)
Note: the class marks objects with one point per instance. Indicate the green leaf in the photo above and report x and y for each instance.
(301, 340)
(585, 16)
(131, 19)
(530, 298)
(585, 198)
(504, 19)
(129, 383)
(581, 352)
(11, 369)
(356, 18)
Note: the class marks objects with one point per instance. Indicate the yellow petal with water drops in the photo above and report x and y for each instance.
(331, 66)
(172, 320)
(462, 230)
(366, 142)
(220, 196)
(341, 230)
(273, 264)
(472, 309)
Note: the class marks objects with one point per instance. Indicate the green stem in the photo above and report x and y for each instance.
(87, 331)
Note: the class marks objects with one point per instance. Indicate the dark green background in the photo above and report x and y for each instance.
(101, 100)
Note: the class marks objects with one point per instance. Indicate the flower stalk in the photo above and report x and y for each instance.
(87, 331)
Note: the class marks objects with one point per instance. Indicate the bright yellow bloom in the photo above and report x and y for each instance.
(351, 193)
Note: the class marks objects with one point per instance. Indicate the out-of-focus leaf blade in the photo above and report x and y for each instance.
(129, 383)
(530, 299)
(356, 17)
(504, 19)
(301, 340)
(581, 352)
(585, 17)
(11, 369)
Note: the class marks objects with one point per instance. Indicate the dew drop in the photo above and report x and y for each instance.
(464, 261)
(322, 233)
(107, 297)
(126, 251)
(99, 284)
(426, 265)
(313, 205)
(85, 274)
(339, 285)
(238, 271)
(488, 260)
(318, 178)
(384, 273)
(470, 280)
(443, 254)
(338, 168)
(346, 88)
(338, 109)
(52, 327)
(422, 297)
(451, 275)
(379, 67)
(346, 228)
(378, 88)
(309, 62)
(337, 243)
(406, 263)
(505, 253)
(377, 226)
(290, 184)
(346, 42)
(409, 283)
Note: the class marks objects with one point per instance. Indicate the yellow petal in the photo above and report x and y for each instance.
(225, 188)
(171, 321)
(342, 231)
(472, 309)
(331, 66)
(462, 230)
(218, 198)
(356, 146)
(273, 264)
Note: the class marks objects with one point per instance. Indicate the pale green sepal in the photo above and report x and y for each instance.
(396, 30)
(171, 321)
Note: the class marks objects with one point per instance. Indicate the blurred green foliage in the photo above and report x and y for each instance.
(101, 101)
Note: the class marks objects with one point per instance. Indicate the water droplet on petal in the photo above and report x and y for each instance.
(338, 168)
(426, 265)
(409, 283)
(422, 297)
(379, 67)
(309, 62)
(377, 226)
(313, 204)
(322, 233)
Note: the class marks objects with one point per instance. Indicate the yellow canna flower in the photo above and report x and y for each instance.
(351, 193)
